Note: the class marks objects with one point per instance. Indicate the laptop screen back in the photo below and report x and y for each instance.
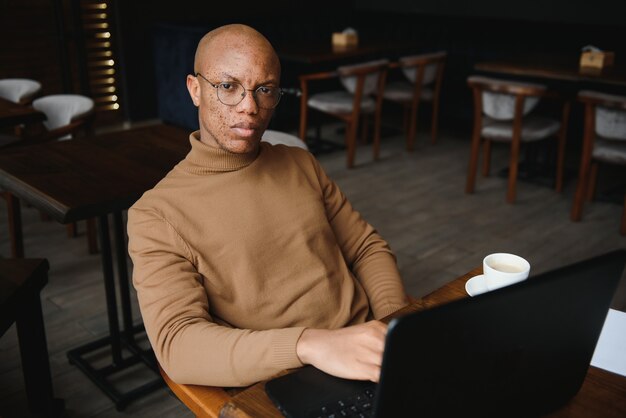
(524, 349)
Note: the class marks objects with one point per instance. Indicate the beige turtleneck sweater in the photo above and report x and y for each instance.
(235, 255)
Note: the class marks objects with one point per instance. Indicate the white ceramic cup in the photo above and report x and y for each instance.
(503, 269)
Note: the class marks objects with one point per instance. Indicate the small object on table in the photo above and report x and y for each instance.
(347, 38)
(594, 57)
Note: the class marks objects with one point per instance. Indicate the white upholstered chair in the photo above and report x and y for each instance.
(19, 90)
(67, 115)
(604, 141)
(277, 137)
(362, 95)
(503, 113)
(423, 77)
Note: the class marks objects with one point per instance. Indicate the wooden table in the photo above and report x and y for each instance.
(94, 177)
(556, 68)
(325, 52)
(12, 114)
(603, 394)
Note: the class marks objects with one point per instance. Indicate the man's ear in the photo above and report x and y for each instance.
(194, 89)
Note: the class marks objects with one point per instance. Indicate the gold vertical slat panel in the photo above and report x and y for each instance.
(101, 62)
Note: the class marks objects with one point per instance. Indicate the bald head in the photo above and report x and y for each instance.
(228, 58)
(232, 37)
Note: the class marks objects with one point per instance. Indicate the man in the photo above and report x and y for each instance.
(247, 259)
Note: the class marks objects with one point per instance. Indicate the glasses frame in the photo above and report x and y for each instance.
(216, 86)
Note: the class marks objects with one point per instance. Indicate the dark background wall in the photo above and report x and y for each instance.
(599, 12)
(30, 45)
(469, 31)
(277, 19)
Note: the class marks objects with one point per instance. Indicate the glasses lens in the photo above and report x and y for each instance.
(267, 97)
(230, 93)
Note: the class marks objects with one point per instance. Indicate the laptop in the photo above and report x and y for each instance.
(522, 350)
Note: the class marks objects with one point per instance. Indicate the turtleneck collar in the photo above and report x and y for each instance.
(204, 159)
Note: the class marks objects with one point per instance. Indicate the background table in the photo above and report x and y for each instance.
(603, 394)
(557, 68)
(94, 177)
(324, 52)
(12, 114)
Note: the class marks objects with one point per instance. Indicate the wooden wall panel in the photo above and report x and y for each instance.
(29, 43)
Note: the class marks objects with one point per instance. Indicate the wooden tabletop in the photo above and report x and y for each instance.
(325, 52)
(12, 114)
(556, 68)
(91, 176)
(603, 394)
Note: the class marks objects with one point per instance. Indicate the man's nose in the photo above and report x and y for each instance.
(248, 104)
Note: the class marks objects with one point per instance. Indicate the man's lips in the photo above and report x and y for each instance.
(244, 129)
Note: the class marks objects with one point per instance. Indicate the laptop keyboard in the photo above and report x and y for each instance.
(361, 405)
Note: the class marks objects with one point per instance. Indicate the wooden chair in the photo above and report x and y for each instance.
(21, 282)
(422, 72)
(203, 401)
(360, 82)
(604, 141)
(19, 90)
(501, 114)
(218, 402)
(69, 115)
(277, 137)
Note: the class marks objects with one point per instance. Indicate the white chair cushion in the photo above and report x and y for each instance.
(61, 109)
(277, 137)
(401, 91)
(610, 151)
(430, 73)
(16, 89)
(339, 102)
(502, 106)
(371, 80)
(611, 123)
(534, 128)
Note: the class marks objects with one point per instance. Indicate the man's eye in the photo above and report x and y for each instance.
(265, 90)
(226, 86)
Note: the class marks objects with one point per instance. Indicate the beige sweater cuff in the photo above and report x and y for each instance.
(284, 343)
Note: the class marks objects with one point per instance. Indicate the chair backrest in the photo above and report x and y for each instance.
(62, 109)
(610, 118)
(277, 137)
(498, 96)
(431, 63)
(19, 90)
(349, 74)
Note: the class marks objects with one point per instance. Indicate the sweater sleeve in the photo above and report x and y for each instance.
(190, 346)
(367, 254)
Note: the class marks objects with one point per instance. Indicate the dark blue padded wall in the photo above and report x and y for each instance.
(174, 49)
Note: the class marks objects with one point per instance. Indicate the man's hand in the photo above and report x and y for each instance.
(354, 352)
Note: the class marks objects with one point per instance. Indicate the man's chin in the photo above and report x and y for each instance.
(242, 146)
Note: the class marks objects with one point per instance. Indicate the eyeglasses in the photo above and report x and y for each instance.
(231, 93)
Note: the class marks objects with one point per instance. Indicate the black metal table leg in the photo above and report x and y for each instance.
(122, 274)
(120, 342)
